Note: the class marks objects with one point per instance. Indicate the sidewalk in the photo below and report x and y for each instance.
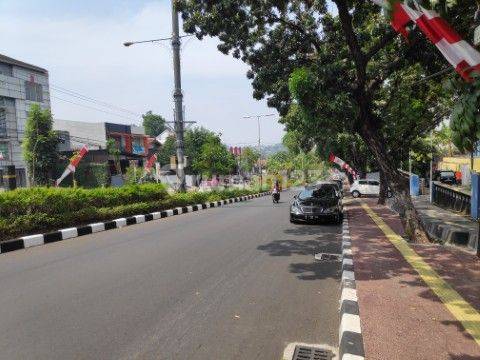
(446, 226)
(416, 301)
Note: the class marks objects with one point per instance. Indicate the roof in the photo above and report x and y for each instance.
(11, 61)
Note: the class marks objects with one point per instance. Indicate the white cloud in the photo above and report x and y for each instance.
(85, 54)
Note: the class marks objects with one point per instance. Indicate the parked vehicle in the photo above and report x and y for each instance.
(445, 176)
(316, 203)
(366, 188)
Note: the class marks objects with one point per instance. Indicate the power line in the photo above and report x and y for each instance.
(88, 99)
(93, 108)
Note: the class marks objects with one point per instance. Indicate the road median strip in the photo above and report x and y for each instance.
(465, 313)
(26, 242)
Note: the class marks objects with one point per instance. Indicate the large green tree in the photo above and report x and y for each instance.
(214, 159)
(248, 159)
(355, 68)
(154, 124)
(194, 139)
(40, 146)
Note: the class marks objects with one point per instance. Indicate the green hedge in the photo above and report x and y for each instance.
(87, 175)
(27, 211)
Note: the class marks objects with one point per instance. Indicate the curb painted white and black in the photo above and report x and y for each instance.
(350, 334)
(26, 242)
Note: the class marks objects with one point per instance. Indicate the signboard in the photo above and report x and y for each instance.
(476, 38)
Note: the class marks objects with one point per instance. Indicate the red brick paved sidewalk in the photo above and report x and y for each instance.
(400, 315)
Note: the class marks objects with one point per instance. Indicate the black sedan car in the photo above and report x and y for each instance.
(317, 203)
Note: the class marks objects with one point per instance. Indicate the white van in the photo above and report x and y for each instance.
(366, 187)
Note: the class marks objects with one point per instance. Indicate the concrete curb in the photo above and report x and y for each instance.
(26, 242)
(350, 334)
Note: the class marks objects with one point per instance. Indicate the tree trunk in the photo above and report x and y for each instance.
(383, 189)
(397, 183)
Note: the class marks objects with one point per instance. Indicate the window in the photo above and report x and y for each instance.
(4, 151)
(323, 192)
(363, 182)
(33, 91)
(374, 183)
(3, 123)
(6, 69)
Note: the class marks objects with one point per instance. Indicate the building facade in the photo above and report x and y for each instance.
(21, 85)
(130, 140)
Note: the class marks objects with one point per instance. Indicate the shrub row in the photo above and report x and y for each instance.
(41, 209)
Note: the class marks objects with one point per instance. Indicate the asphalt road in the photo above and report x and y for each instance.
(238, 282)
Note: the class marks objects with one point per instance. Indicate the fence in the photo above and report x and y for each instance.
(450, 198)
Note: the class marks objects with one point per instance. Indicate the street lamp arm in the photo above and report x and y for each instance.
(130, 43)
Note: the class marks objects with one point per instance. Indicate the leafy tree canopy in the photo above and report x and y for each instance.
(40, 145)
(248, 159)
(214, 158)
(154, 124)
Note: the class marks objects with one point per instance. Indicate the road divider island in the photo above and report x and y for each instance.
(34, 210)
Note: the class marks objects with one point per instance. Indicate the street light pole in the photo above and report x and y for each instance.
(260, 154)
(259, 144)
(178, 99)
(177, 93)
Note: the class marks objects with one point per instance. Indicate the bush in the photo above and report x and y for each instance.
(25, 211)
(87, 175)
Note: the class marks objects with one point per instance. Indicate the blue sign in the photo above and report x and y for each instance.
(138, 149)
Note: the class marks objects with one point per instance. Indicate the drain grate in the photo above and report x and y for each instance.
(311, 353)
(327, 257)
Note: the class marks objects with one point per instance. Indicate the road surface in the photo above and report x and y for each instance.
(238, 282)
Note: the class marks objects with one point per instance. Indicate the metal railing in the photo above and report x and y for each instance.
(450, 198)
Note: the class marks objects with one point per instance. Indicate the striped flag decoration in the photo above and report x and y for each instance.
(150, 162)
(342, 164)
(459, 53)
(74, 161)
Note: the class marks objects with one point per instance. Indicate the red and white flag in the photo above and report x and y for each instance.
(150, 163)
(336, 160)
(73, 164)
(459, 53)
(342, 164)
(1, 156)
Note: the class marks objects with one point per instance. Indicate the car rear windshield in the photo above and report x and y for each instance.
(324, 192)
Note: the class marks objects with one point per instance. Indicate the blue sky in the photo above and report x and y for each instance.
(80, 43)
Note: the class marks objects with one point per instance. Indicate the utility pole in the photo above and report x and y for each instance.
(177, 92)
(259, 144)
(178, 99)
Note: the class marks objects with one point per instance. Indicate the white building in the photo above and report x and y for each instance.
(21, 85)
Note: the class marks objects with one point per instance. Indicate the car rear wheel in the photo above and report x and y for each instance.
(355, 194)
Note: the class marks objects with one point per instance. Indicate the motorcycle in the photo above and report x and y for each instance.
(276, 197)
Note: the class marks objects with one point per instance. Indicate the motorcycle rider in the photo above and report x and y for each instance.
(276, 191)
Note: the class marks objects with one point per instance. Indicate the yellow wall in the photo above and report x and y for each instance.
(455, 163)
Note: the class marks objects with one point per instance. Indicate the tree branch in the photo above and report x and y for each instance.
(352, 41)
(384, 40)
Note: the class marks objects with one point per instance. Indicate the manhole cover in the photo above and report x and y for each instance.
(311, 353)
(327, 257)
